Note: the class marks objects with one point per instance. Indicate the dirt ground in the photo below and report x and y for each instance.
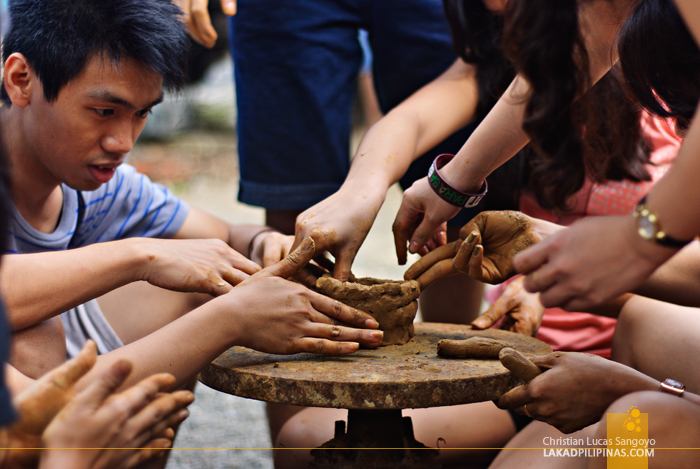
(201, 167)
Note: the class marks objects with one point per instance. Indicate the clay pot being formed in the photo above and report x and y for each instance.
(391, 303)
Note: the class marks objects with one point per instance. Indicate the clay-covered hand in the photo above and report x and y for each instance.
(575, 390)
(435, 265)
(51, 401)
(104, 429)
(589, 263)
(339, 224)
(280, 316)
(485, 250)
(492, 239)
(421, 217)
(271, 247)
(521, 311)
(38, 404)
(196, 17)
(192, 265)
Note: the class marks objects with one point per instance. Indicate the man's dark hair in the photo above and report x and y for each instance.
(59, 37)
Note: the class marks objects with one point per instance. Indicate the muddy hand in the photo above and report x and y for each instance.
(433, 266)
(521, 310)
(491, 239)
(38, 404)
(339, 225)
(196, 17)
(284, 317)
(518, 364)
(99, 417)
(575, 390)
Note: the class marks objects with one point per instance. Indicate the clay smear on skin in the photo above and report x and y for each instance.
(391, 303)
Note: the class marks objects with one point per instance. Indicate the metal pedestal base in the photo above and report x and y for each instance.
(375, 439)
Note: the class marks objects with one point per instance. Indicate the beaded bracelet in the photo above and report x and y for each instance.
(444, 189)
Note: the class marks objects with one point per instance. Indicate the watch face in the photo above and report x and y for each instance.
(645, 228)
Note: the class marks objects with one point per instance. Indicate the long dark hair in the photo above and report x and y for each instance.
(574, 135)
(476, 38)
(660, 61)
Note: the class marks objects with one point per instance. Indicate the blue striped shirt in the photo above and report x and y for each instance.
(129, 205)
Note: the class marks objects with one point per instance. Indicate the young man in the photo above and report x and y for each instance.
(80, 79)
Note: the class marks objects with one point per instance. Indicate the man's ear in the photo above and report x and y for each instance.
(19, 79)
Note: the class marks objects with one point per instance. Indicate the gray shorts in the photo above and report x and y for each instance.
(87, 322)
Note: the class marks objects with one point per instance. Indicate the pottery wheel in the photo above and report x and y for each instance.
(392, 377)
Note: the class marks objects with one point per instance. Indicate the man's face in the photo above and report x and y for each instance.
(85, 134)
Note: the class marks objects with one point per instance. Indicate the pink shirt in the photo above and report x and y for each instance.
(584, 332)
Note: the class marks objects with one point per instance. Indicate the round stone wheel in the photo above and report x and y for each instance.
(392, 377)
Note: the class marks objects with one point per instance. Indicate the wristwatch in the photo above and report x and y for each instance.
(672, 386)
(649, 227)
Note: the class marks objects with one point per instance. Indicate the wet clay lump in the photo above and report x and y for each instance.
(391, 303)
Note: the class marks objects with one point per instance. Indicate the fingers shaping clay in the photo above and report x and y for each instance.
(518, 364)
(473, 347)
(391, 303)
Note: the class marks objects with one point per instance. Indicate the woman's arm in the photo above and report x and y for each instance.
(340, 223)
(500, 136)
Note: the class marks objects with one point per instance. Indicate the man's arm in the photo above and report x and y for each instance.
(265, 312)
(39, 286)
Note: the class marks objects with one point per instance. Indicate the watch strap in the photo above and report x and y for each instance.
(658, 236)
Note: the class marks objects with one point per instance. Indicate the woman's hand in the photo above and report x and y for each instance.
(339, 225)
(422, 217)
(593, 261)
(521, 311)
(196, 17)
(575, 391)
(486, 249)
(492, 239)
(279, 316)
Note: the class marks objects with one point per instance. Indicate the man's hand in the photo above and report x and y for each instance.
(196, 17)
(575, 391)
(279, 316)
(192, 265)
(339, 225)
(522, 310)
